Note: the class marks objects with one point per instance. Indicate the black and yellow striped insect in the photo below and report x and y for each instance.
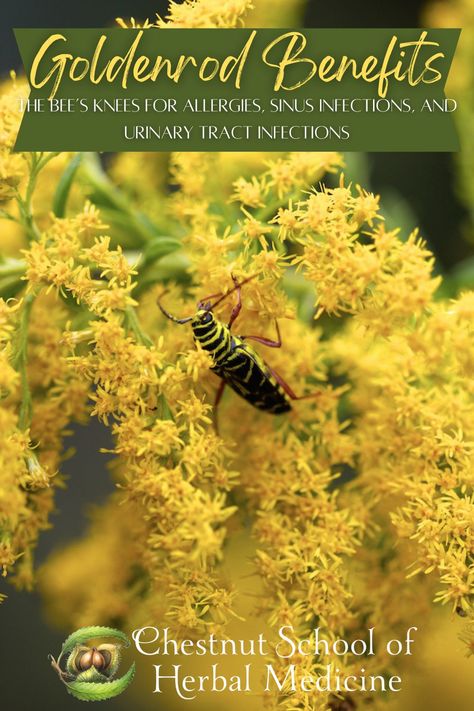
(235, 361)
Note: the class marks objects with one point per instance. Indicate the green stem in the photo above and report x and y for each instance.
(4, 215)
(64, 186)
(134, 326)
(21, 361)
(38, 161)
(12, 267)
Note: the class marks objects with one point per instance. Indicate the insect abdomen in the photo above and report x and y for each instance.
(249, 380)
(240, 367)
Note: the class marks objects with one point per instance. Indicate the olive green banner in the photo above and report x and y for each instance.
(240, 89)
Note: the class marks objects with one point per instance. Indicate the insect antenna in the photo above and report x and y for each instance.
(231, 291)
(170, 316)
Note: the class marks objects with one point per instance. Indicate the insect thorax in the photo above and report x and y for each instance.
(211, 334)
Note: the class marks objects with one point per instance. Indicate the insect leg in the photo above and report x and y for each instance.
(217, 400)
(238, 305)
(288, 390)
(266, 341)
(208, 298)
(236, 286)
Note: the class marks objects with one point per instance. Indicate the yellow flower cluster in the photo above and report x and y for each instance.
(197, 14)
(361, 278)
(25, 492)
(425, 440)
(12, 165)
(172, 463)
(116, 534)
(100, 278)
(205, 13)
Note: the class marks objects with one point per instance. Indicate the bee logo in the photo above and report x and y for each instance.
(89, 661)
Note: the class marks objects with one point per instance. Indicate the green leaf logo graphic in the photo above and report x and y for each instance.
(90, 664)
(97, 691)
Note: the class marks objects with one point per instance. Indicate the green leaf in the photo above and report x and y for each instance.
(166, 413)
(172, 266)
(64, 186)
(10, 287)
(97, 691)
(86, 633)
(12, 272)
(159, 247)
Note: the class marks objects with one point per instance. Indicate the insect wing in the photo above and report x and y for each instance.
(249, 377)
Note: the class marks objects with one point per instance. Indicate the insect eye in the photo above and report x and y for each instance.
(206, 317)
